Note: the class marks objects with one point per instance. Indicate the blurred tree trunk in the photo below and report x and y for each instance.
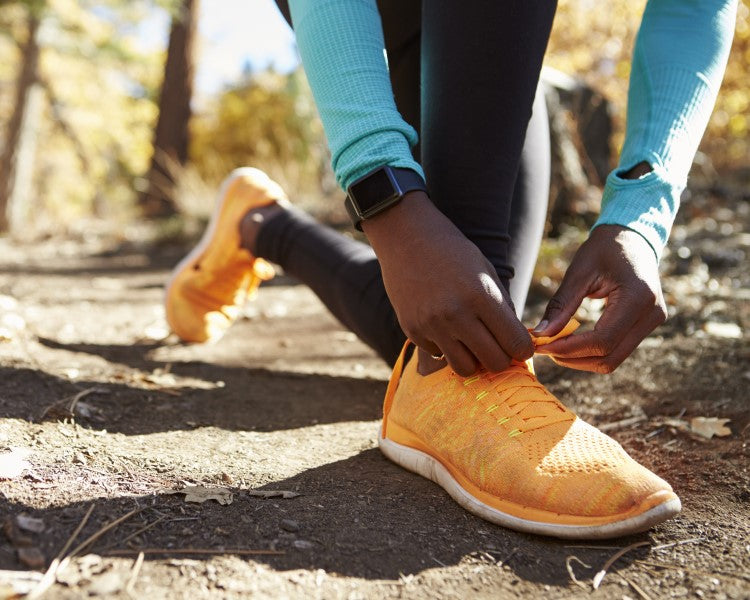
(171, 136)
(581, 129)
(25, 83)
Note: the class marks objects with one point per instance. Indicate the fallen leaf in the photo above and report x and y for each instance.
(13, 463)
(272, 493)
(200, 494)
(708, 427)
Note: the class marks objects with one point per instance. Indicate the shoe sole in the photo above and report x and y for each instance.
(429, 467)
(206, 240)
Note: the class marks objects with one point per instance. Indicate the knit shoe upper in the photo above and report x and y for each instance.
(211, 284)
(512, 446)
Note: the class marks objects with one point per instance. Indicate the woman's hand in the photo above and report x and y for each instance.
(617, 264)
(447, 296)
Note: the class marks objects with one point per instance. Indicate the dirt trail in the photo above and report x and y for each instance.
(290, 401)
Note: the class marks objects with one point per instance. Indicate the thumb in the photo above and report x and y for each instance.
(563, 305)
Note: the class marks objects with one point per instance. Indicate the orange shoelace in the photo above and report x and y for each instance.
(516, 388)
(519, 392)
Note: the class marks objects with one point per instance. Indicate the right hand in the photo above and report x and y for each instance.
(446, 294)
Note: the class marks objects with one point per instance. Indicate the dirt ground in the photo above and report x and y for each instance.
(114, 417)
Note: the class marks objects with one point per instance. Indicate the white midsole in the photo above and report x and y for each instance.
(429, 467)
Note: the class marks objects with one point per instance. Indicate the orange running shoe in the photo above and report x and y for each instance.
(210, 285)
(508, 451)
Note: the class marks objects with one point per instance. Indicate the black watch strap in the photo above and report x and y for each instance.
(378, 190)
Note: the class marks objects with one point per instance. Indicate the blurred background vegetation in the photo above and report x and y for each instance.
(82, 149)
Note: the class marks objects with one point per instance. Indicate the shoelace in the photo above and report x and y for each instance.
(522, 395)
(542, 407)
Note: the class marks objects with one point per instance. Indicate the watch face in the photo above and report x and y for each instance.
(373, 191)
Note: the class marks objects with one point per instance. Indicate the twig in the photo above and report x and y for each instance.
(238, 551)
(623, 423)
(73, 401)
(83, 394)
(92, 538)
(690, 541)
(51, 573)
(603, 571)
(135, 533)
(569, 566)
(134, 575)
(695, 571)
(507, 558)
(638, 590)
(74, 535)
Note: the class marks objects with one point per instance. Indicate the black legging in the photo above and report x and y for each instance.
(465, 77)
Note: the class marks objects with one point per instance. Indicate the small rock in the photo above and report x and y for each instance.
(106, 585)
(290, 525)
(30, 523)
(722, 330)
(303, 545)
(31, 557)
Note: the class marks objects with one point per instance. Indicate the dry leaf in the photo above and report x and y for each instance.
(13, 463)
(199, 494)
(272, 493)
(708, 427)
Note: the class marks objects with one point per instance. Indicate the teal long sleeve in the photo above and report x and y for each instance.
(678, 63)
(343, 52)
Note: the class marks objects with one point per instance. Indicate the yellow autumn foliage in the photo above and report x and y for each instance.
(594, 41)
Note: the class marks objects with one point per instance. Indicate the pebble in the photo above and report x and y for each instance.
(302, 544)
(290, 525)
(31, 557)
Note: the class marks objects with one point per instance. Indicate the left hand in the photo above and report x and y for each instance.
(617, 264)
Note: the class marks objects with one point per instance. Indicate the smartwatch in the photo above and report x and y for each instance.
(378, 190)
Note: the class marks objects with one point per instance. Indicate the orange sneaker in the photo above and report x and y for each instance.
(212, 283)
(508, 451)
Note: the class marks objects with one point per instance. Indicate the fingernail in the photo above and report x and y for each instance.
(542, 326)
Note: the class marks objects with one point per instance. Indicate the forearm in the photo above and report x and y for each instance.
(342, 49)
(678, 63)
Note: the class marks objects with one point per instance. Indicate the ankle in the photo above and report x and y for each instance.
(426, 364)
(252, 223)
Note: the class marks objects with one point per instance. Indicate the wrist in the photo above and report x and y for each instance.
(397, 219)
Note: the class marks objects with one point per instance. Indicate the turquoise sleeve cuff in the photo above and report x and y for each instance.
(647, 205)
(679, 59)
(343, 52)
